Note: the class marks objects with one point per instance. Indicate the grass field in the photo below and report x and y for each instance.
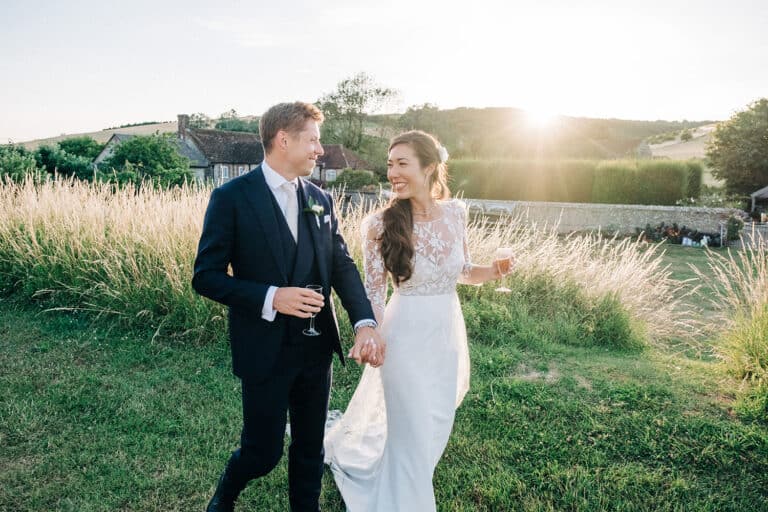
(597, 383)
(95, 417)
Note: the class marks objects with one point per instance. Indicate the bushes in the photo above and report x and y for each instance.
(352, 179)
(578, 181)
(541, 309)
(675, 234)
(733, 228)
(16, 162)
(57, 160)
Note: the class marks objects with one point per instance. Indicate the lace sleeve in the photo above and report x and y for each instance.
(466, 269)
(373, 265)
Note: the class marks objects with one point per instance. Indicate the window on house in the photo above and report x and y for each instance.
(225, 172)
(240, 170)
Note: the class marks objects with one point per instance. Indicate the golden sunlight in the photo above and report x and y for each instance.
(540, 118)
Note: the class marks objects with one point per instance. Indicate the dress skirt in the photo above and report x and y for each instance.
(384, 449)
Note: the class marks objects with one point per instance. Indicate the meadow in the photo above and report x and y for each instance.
(616, 375)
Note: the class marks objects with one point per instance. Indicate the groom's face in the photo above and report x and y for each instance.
(303, 149)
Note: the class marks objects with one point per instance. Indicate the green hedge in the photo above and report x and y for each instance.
(523, 180)
(578, 181)
(615, 183)
(662, 182)
(695, 178)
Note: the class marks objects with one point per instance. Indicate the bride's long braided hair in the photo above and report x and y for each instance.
(396, 241)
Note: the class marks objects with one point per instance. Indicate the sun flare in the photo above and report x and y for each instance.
(539, 119)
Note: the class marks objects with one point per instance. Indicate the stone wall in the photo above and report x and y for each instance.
(569, 217)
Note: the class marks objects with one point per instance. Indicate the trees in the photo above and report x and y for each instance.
(81, 146)
(16, 162)
(738, 151)
(56, 160)
(229, 121)
(347, 107)
(71, 157)
(421, 117)
(199, 120)
(147, 156)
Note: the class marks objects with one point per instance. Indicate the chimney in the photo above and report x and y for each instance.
(183, 125)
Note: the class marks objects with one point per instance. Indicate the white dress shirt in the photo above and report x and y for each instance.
(275, 183)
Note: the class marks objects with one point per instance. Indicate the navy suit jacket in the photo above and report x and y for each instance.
(241, 229)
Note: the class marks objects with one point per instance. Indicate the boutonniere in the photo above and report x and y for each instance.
(315, 209)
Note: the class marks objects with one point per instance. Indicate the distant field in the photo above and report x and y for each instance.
(694, 148)
(104, 135)
(679, 150)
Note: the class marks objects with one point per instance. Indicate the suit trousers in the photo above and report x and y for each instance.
(299, 385)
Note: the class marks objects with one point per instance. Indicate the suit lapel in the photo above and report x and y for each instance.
(260, 198)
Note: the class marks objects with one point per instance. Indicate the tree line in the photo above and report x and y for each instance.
(136, 160)
(738, 153)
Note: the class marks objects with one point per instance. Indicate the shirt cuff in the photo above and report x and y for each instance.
(268, 312)
(365, 322)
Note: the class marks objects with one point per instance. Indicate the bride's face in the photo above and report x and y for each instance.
(405, 173)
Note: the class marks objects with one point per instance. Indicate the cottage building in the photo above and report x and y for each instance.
(219, 155)
(333, 162)
(214, 155)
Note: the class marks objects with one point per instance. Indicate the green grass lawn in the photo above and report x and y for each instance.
(96, 418)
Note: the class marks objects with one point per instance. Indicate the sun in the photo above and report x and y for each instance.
(539, 118)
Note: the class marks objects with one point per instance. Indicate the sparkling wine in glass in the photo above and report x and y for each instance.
(311, 331)
(503, 259)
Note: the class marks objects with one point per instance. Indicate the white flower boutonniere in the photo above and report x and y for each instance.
(316, 209)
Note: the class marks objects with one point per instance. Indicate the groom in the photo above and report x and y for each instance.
(279, 233)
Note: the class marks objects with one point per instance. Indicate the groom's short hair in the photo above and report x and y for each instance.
(290, 117)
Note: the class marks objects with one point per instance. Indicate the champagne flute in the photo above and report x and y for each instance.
(502, 258)
(311, 331)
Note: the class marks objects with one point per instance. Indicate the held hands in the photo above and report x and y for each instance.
(299, 302)
(369, 347)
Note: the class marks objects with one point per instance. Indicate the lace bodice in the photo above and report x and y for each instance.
(440, 256)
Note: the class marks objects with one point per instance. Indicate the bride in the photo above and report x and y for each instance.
(384, 449)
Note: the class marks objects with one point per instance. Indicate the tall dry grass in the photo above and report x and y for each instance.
(129, 253)
(628, 269)
(740, 296)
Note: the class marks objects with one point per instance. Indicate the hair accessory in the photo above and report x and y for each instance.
(442, 153)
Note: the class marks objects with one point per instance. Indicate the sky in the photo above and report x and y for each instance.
(80, 66)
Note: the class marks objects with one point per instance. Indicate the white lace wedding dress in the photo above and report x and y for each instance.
(384, 449)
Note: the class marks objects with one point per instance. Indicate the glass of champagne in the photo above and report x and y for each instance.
(502, 259)
(311, 331)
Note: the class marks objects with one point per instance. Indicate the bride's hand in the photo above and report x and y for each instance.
(369, 347)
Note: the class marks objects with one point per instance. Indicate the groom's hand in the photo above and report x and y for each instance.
(369, 347)
(299, 302)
